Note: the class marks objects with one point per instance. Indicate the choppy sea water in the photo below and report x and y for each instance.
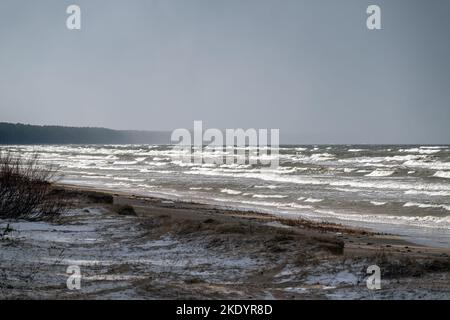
(397, 189)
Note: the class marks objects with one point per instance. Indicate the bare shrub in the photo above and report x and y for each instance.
(25, 188)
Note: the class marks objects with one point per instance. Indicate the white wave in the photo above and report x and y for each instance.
(362, 160)
(322, 156)
(380, 173)
(390, 185)
(434, 165)
(421, 150)
(147, 186)
(305, 180)
(127, 179)
(156, 163)
(276, 196)
(259, 204)
(181, 163)
(285, 170)
(297, 206)
(125, 162)
(355, 150)
(426, 205)
(230, 191)
(96, 177)
(117, 184)
(405, 158)
(200, 188)
(262, 203)
(235, 166)
(382, 160)
(428, 193)
(115, 168)
(156, 171)
(312, 200)
(253, 203)
(347, 190)
(424, 221)
(442, 174)
(434, 147)
(266, 187)
(378, 203)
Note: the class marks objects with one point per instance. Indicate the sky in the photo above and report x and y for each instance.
(310, 68)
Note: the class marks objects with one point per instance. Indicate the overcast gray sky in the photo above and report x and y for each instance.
(308, 67)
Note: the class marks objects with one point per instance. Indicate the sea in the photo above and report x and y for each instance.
(395, 189)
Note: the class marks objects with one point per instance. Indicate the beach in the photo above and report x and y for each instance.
(169, 249)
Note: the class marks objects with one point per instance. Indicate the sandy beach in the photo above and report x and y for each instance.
(165, 249)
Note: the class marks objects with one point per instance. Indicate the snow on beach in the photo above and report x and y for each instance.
(192, 252)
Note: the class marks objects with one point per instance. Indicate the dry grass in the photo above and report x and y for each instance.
(25, 189)
(407, 266)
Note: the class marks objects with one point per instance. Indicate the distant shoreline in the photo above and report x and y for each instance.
(23, 134)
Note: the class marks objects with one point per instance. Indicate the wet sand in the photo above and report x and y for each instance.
(179, 250)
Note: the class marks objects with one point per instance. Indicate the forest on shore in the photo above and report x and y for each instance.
(11, 133)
